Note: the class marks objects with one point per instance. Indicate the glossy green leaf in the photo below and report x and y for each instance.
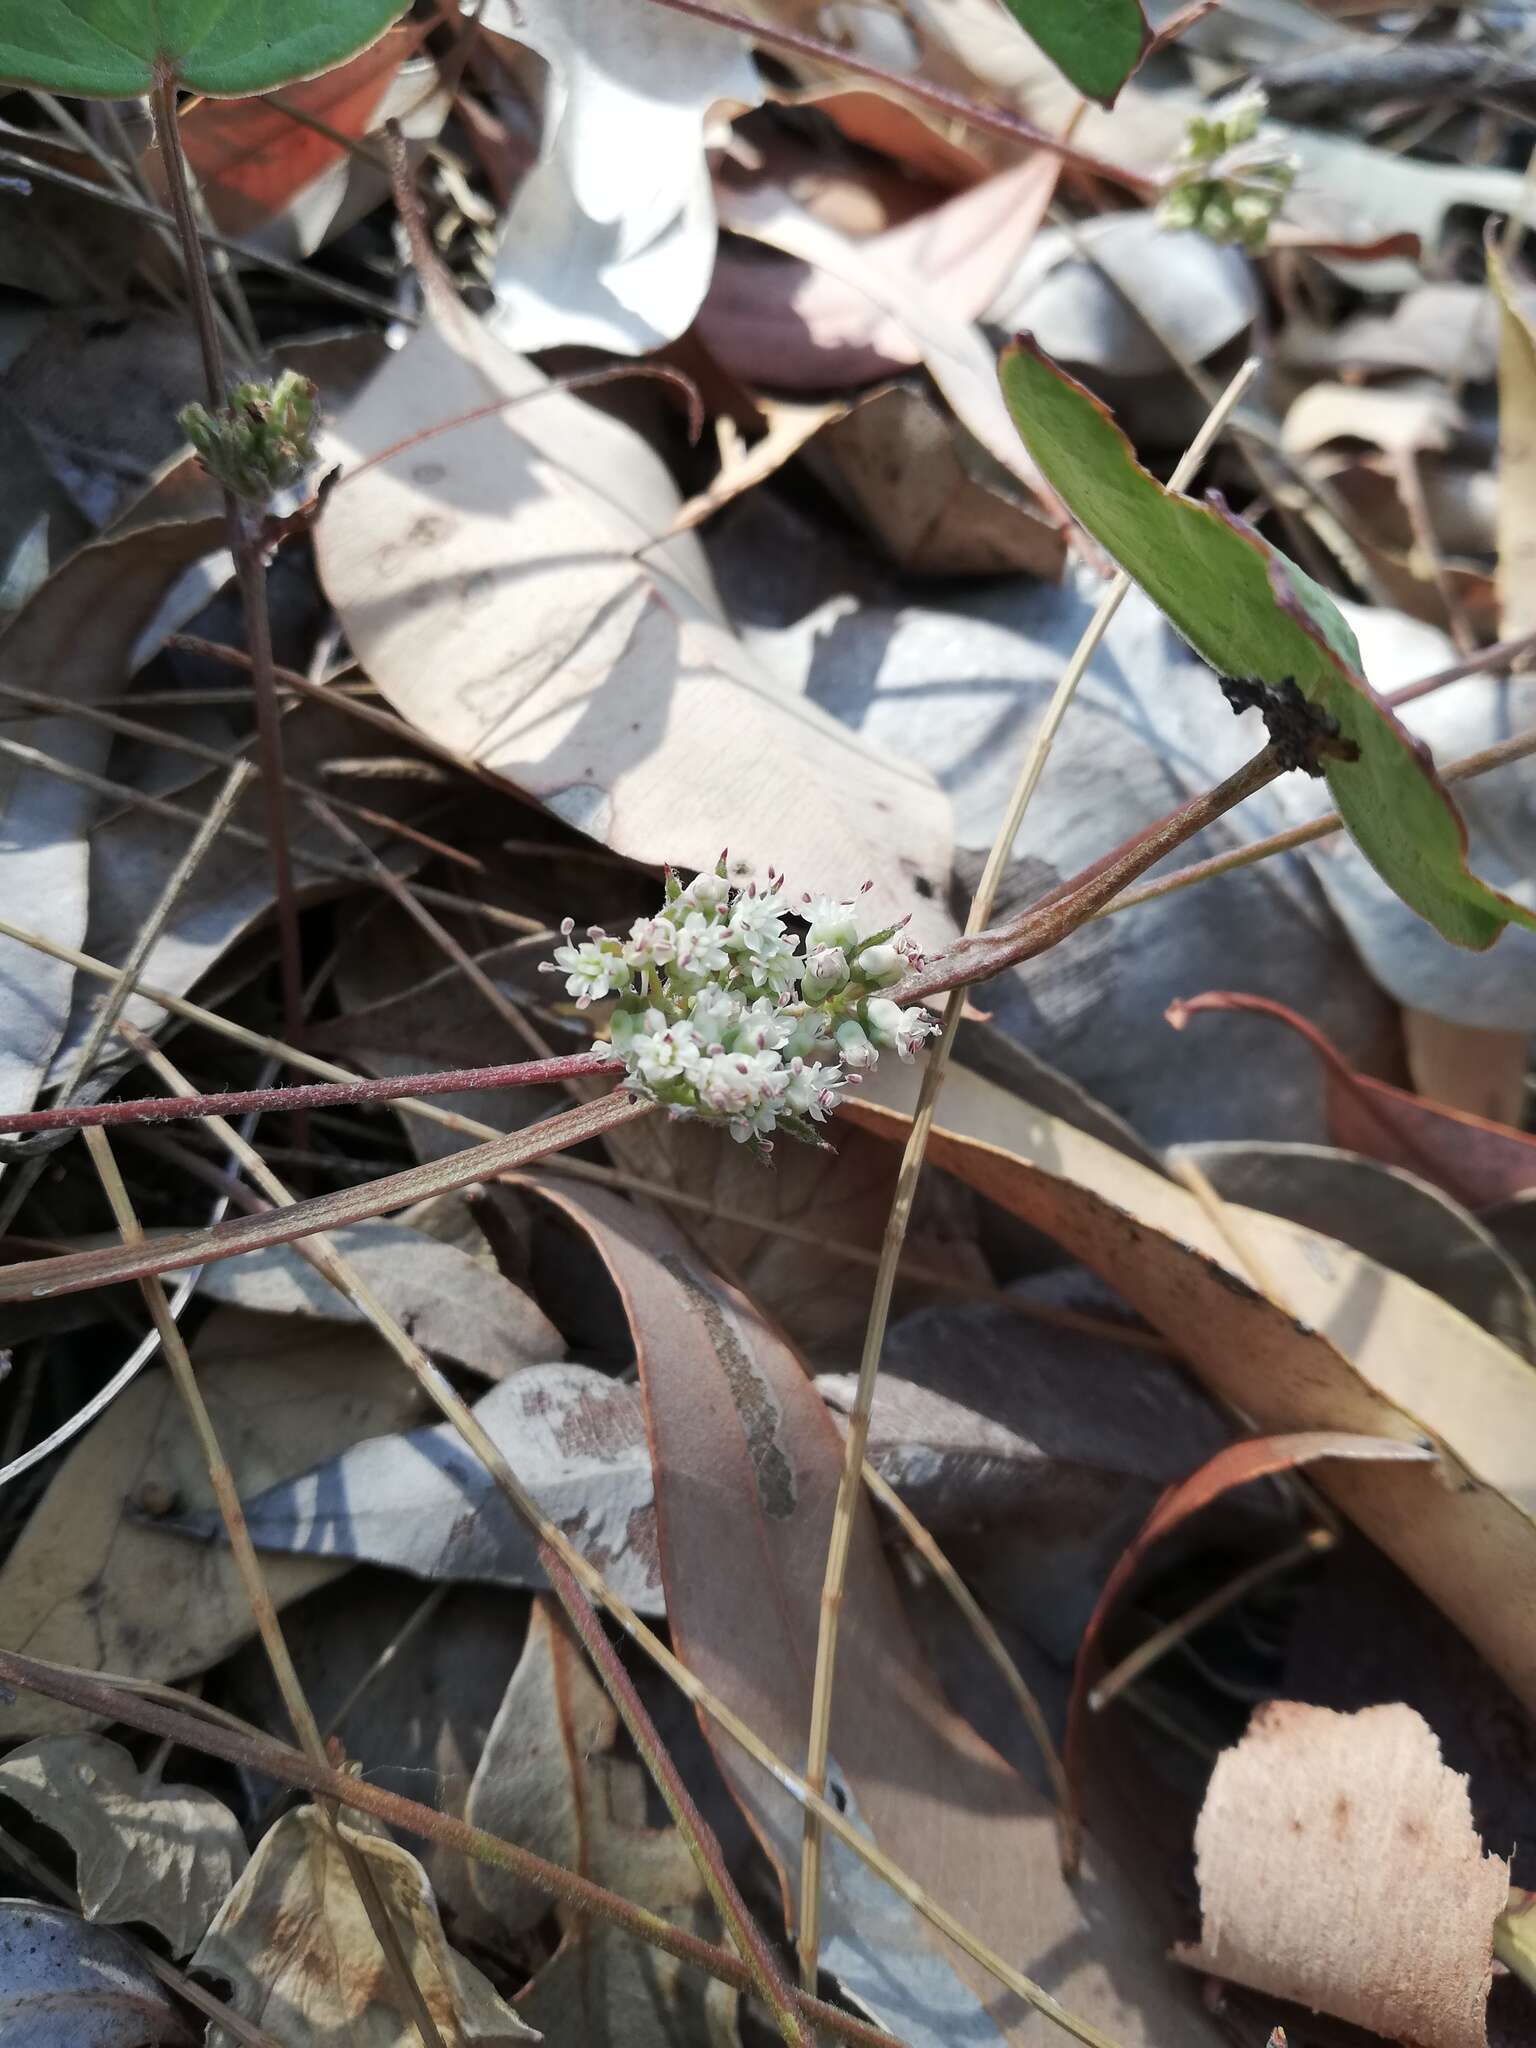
(1250, 612)
(116, 49)
(1096, 44)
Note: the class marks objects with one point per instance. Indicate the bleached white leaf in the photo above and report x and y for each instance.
(611, 237)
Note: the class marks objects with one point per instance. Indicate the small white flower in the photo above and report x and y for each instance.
(896, 1028)
(714, 1013)
(826, 971)
(700, 946)
(855, 1047)
(879, 964)
(705, 892)
(762, 1028)
(832, 923)
(652, 942)
(658, 1057)
(813, 1090)
(592, 970)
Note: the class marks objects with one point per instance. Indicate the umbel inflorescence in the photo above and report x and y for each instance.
(722, 1013)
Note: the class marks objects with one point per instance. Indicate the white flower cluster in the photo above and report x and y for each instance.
(721, 1015)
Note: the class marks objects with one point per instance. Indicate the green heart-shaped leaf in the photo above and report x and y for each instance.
(1096, 44)
(1250, 612)
(116, 49)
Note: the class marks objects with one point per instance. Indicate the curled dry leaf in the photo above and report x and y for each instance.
(301, 1958)
(67, 1984)
(96, 605)
(449, 1302)
(1339, 1867)
(1517, 443)
(165, 1854)
(422, 1503)
(548, 1780)
(493, 585)
(1351, 1347)
(747, 1464)
(92, 1582)
(1476, 1162)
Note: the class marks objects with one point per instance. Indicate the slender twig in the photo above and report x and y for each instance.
(250, 567)
(1516, 748)
(841, 1541)
(906, 85)
(296, 273)
(452, 1407)
(768, 1979)
(258, 1594)
(289, 1767)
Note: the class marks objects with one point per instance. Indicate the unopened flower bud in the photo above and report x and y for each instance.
(826, 971)
(854, 1046)
(880, 965)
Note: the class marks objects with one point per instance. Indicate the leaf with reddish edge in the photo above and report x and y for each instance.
(1474, 1160)
(1237, 1465)
(747, 1462)
(1252, 613)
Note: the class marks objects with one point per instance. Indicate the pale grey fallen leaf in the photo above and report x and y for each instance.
(67, 1984)
(423, 1503)
(447, 1301)
(1393, 1217)
(961, 683)
(1495, 990)
(1068, 294)
(610, 238)
(164, 1854)
(296, 1946)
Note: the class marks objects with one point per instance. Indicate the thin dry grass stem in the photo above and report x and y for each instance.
(473, 1434)
(181, 814)
(1410, 488)
(315, 282)
(986, 1634)
(510, 1013)
(907, 1178)
(218, 757)
(1500, 755)
(288, 1767)
(1168, 1637)
(254, 1584)
(411, 1627)
(174, 1980)
(25, 1173)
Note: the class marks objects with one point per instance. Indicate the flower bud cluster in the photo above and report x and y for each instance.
(262, 441)
(723, 1011)
(1229, 179)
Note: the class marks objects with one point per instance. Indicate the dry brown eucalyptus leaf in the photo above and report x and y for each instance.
(302, 1960)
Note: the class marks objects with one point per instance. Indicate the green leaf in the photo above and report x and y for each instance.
(1249, 612)
(116, 49)
(1096, 44)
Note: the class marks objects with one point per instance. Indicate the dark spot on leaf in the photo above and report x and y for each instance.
(755, 1404)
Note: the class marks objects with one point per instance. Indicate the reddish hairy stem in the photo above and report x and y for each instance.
(289, 1767)
(160, 1109)
(997, 120)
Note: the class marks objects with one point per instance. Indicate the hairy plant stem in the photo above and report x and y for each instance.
(908, 86)
(289, 1767)
(250, 567)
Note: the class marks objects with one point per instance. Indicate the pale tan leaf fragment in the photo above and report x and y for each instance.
(295, 1945)
(93, 1582)
(165, 1854)
(1517, 445)
(1339, 1867)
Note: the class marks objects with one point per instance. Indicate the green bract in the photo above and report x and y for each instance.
(117, 49)
(1097, 44)
(1250, 612)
